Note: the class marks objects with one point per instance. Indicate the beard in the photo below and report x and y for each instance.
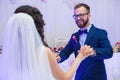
(81, 22)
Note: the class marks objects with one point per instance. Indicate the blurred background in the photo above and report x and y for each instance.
(58, 17)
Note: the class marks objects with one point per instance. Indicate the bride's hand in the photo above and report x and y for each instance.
(85, 51)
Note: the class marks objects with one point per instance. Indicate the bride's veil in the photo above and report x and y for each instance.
(24, 56)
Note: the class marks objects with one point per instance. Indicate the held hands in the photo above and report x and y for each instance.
(85, 51)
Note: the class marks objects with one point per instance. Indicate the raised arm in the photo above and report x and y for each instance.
(58, 73)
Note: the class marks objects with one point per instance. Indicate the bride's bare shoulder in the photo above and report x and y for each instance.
(51, 55)
(49, 51)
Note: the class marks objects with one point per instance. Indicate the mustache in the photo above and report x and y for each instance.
(80, 20)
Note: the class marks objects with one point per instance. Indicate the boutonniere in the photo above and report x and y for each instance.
(74, 38)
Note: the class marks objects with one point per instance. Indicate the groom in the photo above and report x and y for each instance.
(92, 68)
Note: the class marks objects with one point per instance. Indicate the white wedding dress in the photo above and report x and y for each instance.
(24, 56)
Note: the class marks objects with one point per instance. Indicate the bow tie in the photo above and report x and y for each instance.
(83, 31)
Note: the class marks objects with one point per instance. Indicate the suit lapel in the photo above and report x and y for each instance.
(90, 34)
(77, 37)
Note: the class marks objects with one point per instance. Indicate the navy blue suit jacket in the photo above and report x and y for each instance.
(92, 68)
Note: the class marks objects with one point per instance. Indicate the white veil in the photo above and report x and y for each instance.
(24, 56)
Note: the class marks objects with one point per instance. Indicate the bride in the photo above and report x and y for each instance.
(26, 56)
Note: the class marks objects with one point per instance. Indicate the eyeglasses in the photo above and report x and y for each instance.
(79, 15)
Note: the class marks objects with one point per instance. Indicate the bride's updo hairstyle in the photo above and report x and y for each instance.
(37, 17)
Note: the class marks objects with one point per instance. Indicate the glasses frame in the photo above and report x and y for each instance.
(79, 15)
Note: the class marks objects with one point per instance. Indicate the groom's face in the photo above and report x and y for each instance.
(81, 17)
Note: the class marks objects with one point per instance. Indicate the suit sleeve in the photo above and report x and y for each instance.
(104, 49)
(65, 53)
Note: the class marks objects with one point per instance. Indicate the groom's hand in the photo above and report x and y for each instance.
(57, 57)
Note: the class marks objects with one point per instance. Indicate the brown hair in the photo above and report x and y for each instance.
(82, 5)
(37, 17)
